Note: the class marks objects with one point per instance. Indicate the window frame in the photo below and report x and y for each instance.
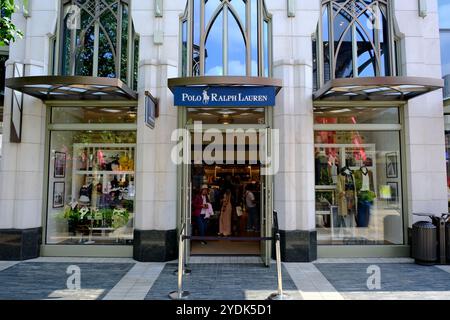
(327, 7)
(129, 76)
(403, 174)
(265, 57)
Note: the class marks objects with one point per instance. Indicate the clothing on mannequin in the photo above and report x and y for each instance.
(347, 196)
(365, 188)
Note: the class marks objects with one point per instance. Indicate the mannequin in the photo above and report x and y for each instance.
(347, 198)
(323, 170)
(366, 195)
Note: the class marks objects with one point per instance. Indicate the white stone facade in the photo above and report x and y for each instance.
(22, 178)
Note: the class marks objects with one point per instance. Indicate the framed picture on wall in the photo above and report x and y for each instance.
(60, 165)
(59, 190)
(394, 191)
(391, 165)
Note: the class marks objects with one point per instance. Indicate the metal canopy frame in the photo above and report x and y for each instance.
(377, 89)
(226, 81)
(72, 88)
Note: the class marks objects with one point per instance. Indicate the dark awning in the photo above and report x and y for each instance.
(377, 89)
(72, 88)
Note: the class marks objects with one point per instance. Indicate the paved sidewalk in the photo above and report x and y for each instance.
(218, 278)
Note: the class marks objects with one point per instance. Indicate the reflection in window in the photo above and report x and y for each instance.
(91, 190)
(358, 188)
(356, 115)
(355, 39)
(98, 40)
(233, 40)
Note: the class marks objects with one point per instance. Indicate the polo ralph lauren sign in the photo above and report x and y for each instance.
(224, 96)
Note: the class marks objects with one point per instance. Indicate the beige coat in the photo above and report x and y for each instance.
(342, 196)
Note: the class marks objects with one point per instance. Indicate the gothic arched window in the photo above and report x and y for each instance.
(226, 38)
(355, 39)
(98, 39)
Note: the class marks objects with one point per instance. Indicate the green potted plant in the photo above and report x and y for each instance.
(77, 218)
(120, 218)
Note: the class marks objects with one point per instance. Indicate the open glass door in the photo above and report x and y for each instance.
(186, 216)
(266, 196)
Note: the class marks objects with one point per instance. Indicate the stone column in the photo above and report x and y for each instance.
(22, 168)
(424, 117)
(155, 236)
(293, 115)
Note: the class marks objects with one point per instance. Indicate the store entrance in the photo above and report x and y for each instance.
(227, 199)
(234, 192)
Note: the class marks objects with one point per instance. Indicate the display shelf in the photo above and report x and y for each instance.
(113, 173)
(87, 156)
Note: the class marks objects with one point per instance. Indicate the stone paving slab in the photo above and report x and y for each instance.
(398, 281)
(136, 283)
(7, 264)
(224, 282)
(311, 282)
(37, 281)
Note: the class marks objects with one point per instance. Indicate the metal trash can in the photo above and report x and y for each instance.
(447, 233)
(424, 243)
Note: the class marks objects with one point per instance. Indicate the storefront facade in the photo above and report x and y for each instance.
(356, 125)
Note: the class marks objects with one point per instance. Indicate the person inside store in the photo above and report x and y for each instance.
(226, 214)
(250, 204)
(202, 211)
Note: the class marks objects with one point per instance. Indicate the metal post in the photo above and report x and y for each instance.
(279, 295)
(180, 294)
(442, 252)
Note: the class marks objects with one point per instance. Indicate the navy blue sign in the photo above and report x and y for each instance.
(224, 96)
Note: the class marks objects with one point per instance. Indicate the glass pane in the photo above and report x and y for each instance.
(343, 45)
(239, 7)
(66, 49)
(196, 20)
(326, 45)
(254, 36)
(107, 45)
(94, 115)
(366, 54)
(85, 46)
(214, 49)
(91, 188)
(227, 116)
(315, 71)
(342, 27)
(444, 14)
(106, 63)
(356, 115)
(384, 46)
(184, 52)
(124, 49)
(236, 48)
(266, 49)
(358, 188)
(210, 7)
(136, 63)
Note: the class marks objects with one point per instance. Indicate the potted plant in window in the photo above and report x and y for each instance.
(72, 216)
(120, 218)
(77, 218)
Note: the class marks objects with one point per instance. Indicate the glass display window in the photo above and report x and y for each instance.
(91, 188)
(358, 187)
